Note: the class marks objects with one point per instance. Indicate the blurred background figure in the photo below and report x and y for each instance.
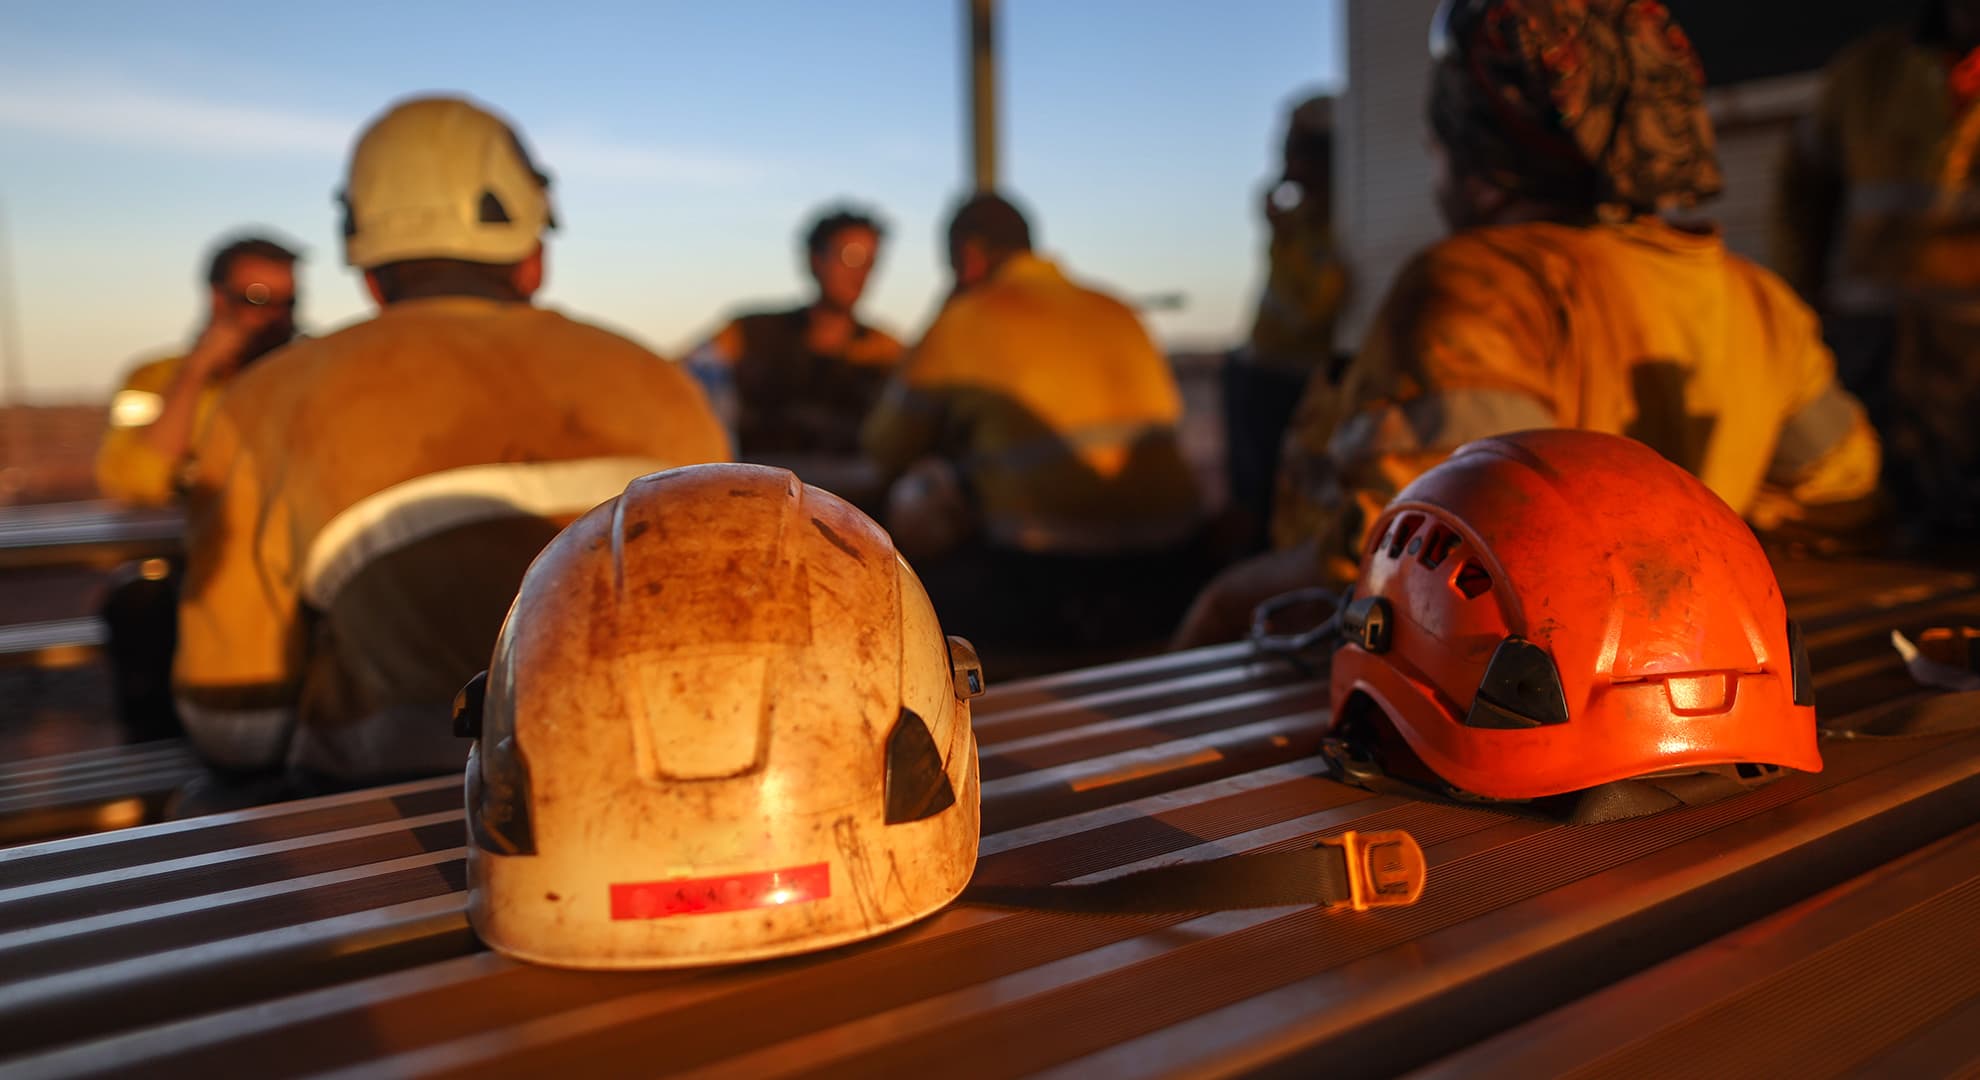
(163, 404)
(800, 380)
(1292, 335)
(1564, 299)
(364, 504)
(1878, 226)
(1043, 495)
(154, 419)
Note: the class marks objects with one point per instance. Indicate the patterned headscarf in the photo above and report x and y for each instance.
(1585, 102)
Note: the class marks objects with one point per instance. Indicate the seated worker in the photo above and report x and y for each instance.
(1292, 335)
(1563, 300)
(1877, 223)
(800, 381)
(154, 419)
(364, 505)
(1040, 423)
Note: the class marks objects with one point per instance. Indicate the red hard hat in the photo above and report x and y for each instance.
(1552, 611)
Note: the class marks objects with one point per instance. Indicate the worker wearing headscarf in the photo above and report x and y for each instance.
(1562, 128)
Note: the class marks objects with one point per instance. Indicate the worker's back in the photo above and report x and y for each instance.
(1058, 409)
(392, 481)
(1640, 329)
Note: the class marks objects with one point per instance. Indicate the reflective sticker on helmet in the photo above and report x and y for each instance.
(712, 895)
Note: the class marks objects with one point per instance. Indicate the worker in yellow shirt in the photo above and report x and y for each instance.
(365, 503)
(156, 415)
(1562, 299)
(154, 419)
(1292, 335)
(1034, 429)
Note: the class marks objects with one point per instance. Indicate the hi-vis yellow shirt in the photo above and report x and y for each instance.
(363, 506)
(128, 468)
(1638, 329)
(1056, 407)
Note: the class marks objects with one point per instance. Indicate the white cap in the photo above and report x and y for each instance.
(442, 178)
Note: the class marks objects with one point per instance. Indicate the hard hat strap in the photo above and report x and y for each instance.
(1292, 647)
(1354, 870)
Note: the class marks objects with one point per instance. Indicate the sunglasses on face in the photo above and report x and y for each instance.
(855, 255)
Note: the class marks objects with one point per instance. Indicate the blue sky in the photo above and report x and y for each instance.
(688, 141)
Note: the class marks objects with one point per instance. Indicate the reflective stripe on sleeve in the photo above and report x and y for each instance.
(136, 408)
(237, 738)
(429, 505)
(1810, 434)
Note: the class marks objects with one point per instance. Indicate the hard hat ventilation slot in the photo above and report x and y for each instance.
(917, 783)
(1404, 527)
(1473, 580)
(1443, 540)
(1521, 689)
(492, 211)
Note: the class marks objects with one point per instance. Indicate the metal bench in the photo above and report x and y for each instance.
(1879, 976)
(330, 935)
(91, 790)
(55, 643)
(98, 534)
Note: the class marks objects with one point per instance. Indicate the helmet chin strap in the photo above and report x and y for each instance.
(1293, 646)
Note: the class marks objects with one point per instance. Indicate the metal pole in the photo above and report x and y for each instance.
(13, 385)
(983, 92)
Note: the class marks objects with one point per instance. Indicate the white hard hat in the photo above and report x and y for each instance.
(722, 723)
(442, 178)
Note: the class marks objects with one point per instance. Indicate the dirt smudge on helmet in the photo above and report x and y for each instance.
(837, 541)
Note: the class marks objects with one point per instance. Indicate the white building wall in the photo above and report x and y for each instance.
(1385, 205)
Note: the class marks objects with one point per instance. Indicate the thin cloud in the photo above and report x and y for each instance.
(152, 119)
(126, 115)
(604, 159)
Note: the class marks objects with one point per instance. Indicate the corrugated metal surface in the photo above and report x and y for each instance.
(1879, 976)
(329, 936)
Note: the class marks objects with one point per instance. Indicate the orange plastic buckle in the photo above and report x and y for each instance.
(1384, 869)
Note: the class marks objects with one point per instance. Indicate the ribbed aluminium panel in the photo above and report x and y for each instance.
(328, 936)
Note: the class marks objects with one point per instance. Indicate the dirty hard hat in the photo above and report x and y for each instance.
(722, 723)
(1553, 611)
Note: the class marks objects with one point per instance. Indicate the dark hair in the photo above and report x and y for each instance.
(414, 279)
(992, 221)
(249, 247)
(835, 218)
